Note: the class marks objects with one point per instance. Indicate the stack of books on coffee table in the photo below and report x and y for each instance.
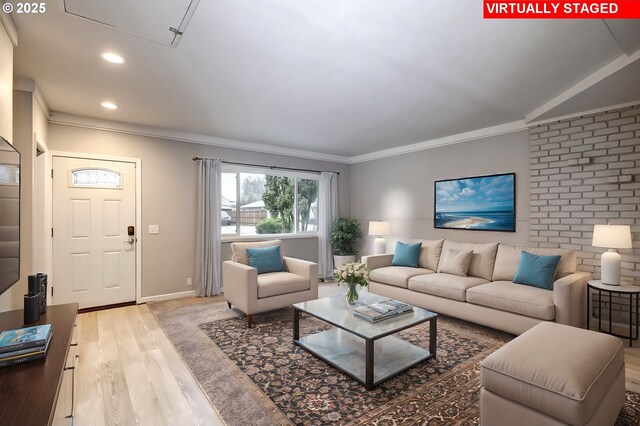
(382, 310)
(24, 344)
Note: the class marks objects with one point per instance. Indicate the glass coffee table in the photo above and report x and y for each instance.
(366, 351)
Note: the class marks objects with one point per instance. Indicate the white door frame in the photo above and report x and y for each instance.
(138, 163)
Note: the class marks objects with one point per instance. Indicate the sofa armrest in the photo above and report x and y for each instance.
(376, 261)
(304, 268)
(569, 295)
(240, 284)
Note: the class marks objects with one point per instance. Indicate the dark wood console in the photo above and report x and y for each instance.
(41, 392)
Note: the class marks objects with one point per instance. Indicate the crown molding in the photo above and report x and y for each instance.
(500, 129)
(9, 26)
(583, 113)
(176, 135)
(182, 136)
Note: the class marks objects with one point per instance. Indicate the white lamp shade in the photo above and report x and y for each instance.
(378, 228)
(612, 236)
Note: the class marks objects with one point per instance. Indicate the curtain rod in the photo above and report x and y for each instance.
(263, 166)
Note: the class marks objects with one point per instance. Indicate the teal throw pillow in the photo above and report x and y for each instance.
(536, 271)
(406, 254)
(266, 259)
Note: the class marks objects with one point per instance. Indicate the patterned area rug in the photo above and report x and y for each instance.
(286, 385)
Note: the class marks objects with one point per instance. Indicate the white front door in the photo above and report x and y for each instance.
(94, 257)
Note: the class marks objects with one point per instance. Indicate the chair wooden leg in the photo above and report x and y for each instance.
(249, 319)
(229, 303)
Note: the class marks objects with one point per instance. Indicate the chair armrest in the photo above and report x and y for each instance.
(301, 267)
(240, 284)
(376, 261)
(569, 295)
(306, 269)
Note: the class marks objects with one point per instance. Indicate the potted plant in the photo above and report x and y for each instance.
(344, 238)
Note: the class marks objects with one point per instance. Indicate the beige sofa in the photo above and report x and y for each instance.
(487, 295)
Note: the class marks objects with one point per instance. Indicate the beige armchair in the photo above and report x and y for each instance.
(253, 293)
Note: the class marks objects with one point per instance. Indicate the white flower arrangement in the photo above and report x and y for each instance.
(353, 273)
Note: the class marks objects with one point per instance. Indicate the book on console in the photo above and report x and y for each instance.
(23, 338)
(39, 353)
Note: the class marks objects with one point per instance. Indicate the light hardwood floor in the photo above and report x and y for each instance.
(632, 371)
(130, 374)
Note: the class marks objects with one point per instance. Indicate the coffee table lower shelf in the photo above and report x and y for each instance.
(348, 353)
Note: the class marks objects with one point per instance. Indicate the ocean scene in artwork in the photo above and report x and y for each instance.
(482, 203)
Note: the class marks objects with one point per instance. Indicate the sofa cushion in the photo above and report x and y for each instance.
(265, 259)
(397, 276)
(239, 250)
(445, 285)
(277, 283)
(482, 261)
(430, 254)
(456, 262)
(508, 257)
(537, 271)
(519, 299)
(406, 254)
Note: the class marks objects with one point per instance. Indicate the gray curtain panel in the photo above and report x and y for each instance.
(208, 242)
(328, 213)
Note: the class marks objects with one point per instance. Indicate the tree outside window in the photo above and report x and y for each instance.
(307, 205)
(278, 199)
(268, 204)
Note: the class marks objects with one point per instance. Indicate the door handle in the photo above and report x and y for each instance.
(131, 240)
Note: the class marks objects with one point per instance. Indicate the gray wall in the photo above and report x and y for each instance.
(400, 189)
(6, 85)
(302, 248)
(169, 181)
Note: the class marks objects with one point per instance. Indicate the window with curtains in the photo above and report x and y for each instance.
(255, 201)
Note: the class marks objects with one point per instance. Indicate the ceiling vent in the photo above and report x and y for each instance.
(160, 21)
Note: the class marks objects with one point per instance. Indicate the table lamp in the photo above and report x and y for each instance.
(611, 237)
(380, 229)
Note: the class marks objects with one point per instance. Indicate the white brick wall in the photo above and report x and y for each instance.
(585, 171)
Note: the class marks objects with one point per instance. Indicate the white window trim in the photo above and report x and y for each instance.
(237, 236)
(230, 238)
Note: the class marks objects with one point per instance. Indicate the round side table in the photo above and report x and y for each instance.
(632, 291)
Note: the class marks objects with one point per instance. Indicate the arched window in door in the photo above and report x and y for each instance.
(95, 178)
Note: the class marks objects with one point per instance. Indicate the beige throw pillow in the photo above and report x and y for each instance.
(430, 254)
(456, 262)
(483, 259)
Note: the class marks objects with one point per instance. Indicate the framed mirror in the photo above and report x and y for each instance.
(9, 215)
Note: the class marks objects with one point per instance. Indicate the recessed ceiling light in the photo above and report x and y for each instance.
(109, 105)
(113, 57)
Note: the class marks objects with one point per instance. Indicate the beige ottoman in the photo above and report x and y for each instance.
(553, 375)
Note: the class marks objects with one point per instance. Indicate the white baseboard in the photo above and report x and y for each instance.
(169, 296)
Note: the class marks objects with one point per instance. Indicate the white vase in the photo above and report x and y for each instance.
(338, 261)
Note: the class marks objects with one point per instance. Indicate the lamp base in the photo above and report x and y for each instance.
(380, 246)
(610, 264)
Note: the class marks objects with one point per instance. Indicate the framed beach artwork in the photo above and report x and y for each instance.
(482, 203)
